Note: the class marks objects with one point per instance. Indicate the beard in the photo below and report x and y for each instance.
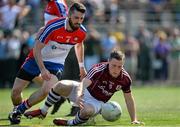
(73, 27)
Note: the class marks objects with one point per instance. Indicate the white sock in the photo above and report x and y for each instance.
(44, 109)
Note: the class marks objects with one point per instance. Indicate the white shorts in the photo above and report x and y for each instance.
(88, 99)
(73, 95)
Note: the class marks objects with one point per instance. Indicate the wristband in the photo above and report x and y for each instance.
(81, 64)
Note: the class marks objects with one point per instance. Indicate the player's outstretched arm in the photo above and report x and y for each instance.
(79, 50)
(130, 103)
(38, 57)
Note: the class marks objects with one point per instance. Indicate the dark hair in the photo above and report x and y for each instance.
(78, 7)
(117, 55)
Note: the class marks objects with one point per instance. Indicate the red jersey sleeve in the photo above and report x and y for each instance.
(51, 26)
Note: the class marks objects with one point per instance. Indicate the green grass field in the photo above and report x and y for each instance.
(156, 106)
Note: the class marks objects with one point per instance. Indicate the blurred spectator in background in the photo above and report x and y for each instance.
(10, 13)
(111, 11)
(175, 9)
(90, 11)
(31, 38)
(154, 10)
(131, 49)
(98, 10)
(92, 47)
(13, 44)
(3, 58)
(175, 56)
(35, 12)
(144, 38)
(114, 12)
(161, 53)
(13, 51)
(2, 3)
(120, 37)
(108, 43)
(3, 46)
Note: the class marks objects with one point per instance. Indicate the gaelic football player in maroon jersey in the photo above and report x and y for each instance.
(100, 84)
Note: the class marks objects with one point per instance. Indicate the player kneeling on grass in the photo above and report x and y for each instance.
(101, 82)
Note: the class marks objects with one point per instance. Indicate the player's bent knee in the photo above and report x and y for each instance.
(63, 89)
(58, 85)
(45, 89)
(87, 112)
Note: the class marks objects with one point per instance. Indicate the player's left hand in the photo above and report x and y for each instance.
(82, 73)
(137, 122)
(80, 101)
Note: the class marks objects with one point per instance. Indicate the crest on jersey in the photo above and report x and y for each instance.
(75, 38)
(104, 82)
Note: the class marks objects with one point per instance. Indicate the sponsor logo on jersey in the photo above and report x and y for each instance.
(59, 37)
(53, 47)
(105, 92)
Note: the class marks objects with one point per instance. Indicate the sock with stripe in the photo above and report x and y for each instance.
(51, 99)
(23, 106)
(77, 120)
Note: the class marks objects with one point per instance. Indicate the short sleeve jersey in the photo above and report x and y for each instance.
(58, 41)
(104, 85)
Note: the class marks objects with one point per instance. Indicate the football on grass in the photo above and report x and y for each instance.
(111, 111)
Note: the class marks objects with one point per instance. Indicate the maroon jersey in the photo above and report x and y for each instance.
(104, 85)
